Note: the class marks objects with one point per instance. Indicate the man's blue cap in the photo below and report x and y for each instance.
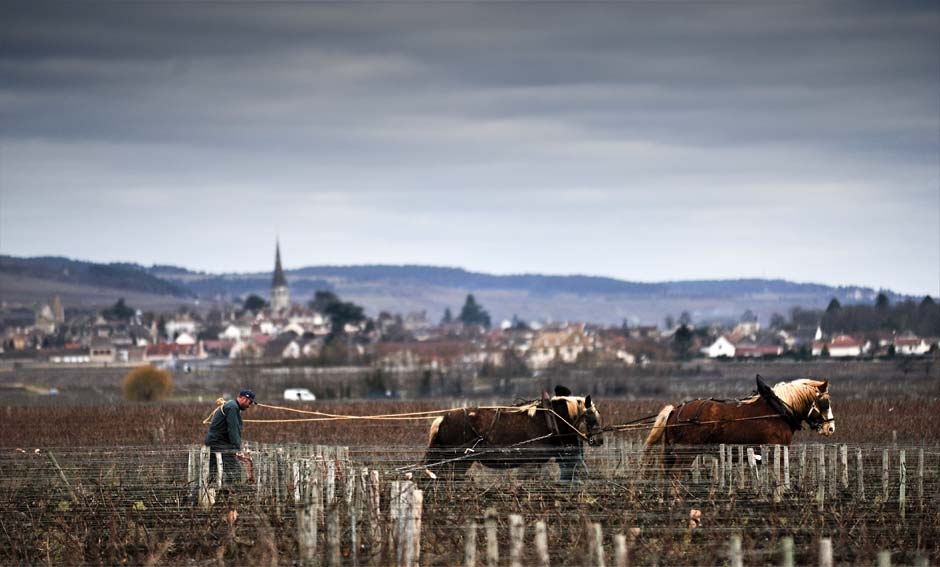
(248, 394)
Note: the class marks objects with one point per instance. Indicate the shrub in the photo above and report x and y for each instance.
(147, 383)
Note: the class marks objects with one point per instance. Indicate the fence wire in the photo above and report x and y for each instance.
(139, 505)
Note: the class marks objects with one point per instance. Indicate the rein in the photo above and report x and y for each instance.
(470, 453)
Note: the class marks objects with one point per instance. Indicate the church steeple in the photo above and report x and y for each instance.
(280, 295)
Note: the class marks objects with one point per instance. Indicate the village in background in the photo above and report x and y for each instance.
(328, 332)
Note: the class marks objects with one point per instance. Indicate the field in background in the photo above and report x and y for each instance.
(86, 478)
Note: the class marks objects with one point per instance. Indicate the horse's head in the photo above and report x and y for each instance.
(591, 418)
(820, 416)
(808, 400)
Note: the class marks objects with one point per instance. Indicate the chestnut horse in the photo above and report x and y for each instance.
(510, 437)
(770, 416)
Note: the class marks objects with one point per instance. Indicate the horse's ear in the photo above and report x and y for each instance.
(587, 402)
(562, 391)
(824, 387)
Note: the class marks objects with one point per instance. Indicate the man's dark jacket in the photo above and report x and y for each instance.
(225, 430)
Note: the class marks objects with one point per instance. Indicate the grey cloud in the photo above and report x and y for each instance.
(488, 113)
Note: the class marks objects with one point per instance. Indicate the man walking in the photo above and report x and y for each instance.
(225, 436)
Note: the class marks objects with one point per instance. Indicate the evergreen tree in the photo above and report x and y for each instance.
(473, 314)
(118, 312)
(254, 303)
(682, 342)
(322, 299)
(881, 302)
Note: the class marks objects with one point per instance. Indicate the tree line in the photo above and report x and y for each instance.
(921, 318)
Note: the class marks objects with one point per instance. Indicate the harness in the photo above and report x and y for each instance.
(552, 419)
(787, 411)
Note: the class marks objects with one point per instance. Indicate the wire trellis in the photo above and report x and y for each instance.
(108, 505)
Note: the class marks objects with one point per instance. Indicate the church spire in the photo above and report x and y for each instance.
(279, 279)
(280, 294)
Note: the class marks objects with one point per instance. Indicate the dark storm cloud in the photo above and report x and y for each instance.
(696, 71)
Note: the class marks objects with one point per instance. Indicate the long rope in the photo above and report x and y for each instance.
(324, 416)
(641, 423)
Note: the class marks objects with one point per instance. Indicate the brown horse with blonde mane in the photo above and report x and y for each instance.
(510, 437)
(771, 416)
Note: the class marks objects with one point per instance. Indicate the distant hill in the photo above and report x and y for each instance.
(118, 276)
(411, 288)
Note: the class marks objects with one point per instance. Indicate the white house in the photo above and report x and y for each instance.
(911, 346)
(721, 347)
(845, 346)
(179, 325)
(235, 332)
(185, 339)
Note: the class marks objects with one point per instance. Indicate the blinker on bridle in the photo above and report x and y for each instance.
(591, 431)
(817, 424)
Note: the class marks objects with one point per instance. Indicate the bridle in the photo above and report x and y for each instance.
(821, 412)
(593, 427)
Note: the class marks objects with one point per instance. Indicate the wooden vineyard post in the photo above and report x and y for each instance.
(902, 484)
(280, 486)
(833, 470)
(735, 555)
(396, 523)
(516, 539)
(333, 554)
(844, 465)
(620, 550)
(260, 464)
(742, 468)
(596, 545)
(762, 466)
(492, 543)
(825, 552)
(786, 467)
(375, 517)
(470, 546)
(405, 517)
(920, 478)
(778, 483)
(755, 473)
(884, 475)
(715, 479)
(295, 478)
(541, 544)
(206, 494)
(722, 466)
(732, 471)
(417, 507)
(860, 475)
(192, 467)
(786, 551)
(352, 507)
(330, 483)
(218, 471)
(307, 520)
(884, 559)
(820, 476)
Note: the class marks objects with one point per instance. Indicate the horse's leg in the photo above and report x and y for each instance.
(569, 457)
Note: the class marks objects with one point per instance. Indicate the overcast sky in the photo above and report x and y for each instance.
(646, 141)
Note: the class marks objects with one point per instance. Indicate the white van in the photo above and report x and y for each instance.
(299, 395)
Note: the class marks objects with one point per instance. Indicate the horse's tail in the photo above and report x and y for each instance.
(657, 436)
(432, 436)
(658, 432)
